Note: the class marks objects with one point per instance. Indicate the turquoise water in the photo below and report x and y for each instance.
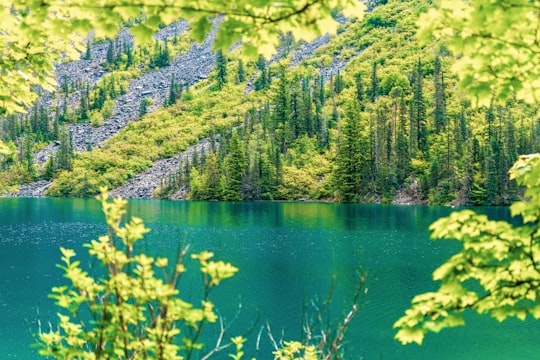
(287, 254)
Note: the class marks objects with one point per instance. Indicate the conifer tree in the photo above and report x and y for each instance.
(418, 112)
(282, 111)
(143, 107)
(440, 102)
(320, 113)
(221, 69)
(492, 183)
(263, 81)
(349, 157)
(338, 83)
(56, 123)
(28, 158)
(359, 90)
(111, 58)
(65, 150)
(175, 92)
(84, 103)
(88, 53)
(44, 131)
(402, 142)
(241, 74)
(50, 169)
(235, 168)
(307, 107)
(374, 89)
(434, 173)
(211, 187)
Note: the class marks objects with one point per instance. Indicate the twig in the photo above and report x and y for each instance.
(276, 347)
(218, 346)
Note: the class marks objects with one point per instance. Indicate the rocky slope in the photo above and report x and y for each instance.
(144, 185)
(187, 69)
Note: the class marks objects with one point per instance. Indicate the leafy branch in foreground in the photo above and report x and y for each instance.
(323, 338)
(130, 312)
(497, 272)
(497, 45)
(36, 34)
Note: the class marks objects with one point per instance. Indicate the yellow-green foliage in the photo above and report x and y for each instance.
(496, 272)
(296, 350)
(305, 172)
(161, 134)
(136, 309)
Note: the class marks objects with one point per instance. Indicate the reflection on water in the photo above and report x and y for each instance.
(287, 254)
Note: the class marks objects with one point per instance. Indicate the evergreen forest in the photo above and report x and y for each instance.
(370, 116)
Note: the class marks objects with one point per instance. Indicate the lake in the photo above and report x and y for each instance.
(287, 254)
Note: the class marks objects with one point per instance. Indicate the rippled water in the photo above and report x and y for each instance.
(287, 254)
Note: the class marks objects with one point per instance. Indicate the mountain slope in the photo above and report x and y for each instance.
(367, 115)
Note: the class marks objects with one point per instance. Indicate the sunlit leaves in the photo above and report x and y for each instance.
(36, 34)
(135, 312)
(296, 350)
(215, 270)
(497, 271)
(496, 45)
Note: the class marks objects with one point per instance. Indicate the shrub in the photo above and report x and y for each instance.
(131, 312)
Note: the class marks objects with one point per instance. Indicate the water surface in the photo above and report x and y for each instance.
(287, 254)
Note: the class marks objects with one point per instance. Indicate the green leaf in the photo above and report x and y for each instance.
(200, 28)
(143, 34)
(408, 335)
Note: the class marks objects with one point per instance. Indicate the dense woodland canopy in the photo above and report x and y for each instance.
(392, 124)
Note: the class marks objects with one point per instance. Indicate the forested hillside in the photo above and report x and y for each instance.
(366, 116)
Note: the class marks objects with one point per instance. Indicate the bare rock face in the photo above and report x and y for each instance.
(410, 195)
(33, 190)
(144, 185)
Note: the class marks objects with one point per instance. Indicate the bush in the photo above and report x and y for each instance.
(135, 313)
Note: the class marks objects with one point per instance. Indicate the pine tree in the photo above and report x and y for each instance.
(14, 128)
(462, 132)
(235, 168)
(175, 92)
(50, 169)
(111, 58)
(56, 123)
(263, 81)
(297, 125)
(511, 156)
(320, 122)
(282, 111)
(221, 69)
(44, 124)
(374, 89)
(211, 188)
(349, 158)
(434, 173)
(241, 74)
(88, 53)
(84, 103)
(418, 113)
(143, 107)
(492, 185)
(28, 158)
(65, 150)
(129, 55)
(440, 102)
(307, 107)
(359, 90)
(402, 142)
(338, 83)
